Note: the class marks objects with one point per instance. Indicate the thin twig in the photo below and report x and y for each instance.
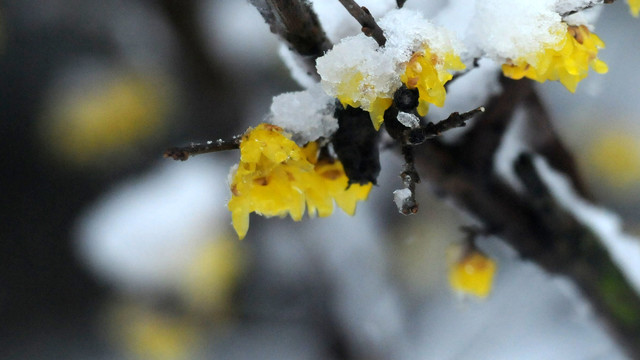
(183, 153)
(587, 6)
(364, 17)
(455, 120)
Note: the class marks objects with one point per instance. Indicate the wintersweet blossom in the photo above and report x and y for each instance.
(276, 177)
(634, 7)
(361, 74)
(568, 61)
(428, 72)
(472, 272)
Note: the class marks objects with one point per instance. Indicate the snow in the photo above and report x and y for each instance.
(587, 17)
(624, 248)
(307, 114)
(510, 148)
(293, 63)
(359, 55)
(513, 29)
(142, 236)
(565, 6)
(408, 120)
(400, 197)
(406, 32)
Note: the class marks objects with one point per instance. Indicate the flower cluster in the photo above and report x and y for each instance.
(426, 71)
(361, 74)
(567, 61)
(277, 177)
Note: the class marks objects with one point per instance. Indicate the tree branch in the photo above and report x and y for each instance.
(298, 25)
(364, 17)
(533, 223)
(587, 6)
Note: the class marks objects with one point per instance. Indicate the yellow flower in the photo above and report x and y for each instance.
(634, 7)
(567, 61)
(472, 273)
(109, 118)
(615, 156)
(276, 177)
(147, 333)
(355, 87)
(428, 72)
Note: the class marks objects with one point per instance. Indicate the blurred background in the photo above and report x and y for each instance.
(109, 251)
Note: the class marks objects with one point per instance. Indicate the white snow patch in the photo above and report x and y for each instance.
(295, 66)
(307, 114)
(511, 146)
(565, 6)
(513, 29)
(400, 197)
(408, 120)
(142, 236)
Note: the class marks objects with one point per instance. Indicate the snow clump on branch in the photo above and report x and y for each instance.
(361, 74)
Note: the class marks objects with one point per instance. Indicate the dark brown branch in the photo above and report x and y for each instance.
(364, 17)
(587, 6)
(400, 3)
(202, 72)
(541, 136)
(183, 153)
(533, 224)
(298, 25)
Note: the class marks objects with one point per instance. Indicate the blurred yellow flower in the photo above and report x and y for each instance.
(211, 277)
(108, 117)
(568, 61)
(276, 177)
(634, 7)
(146, 333)
(615, 156)
(428, 72)
(471, 272)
